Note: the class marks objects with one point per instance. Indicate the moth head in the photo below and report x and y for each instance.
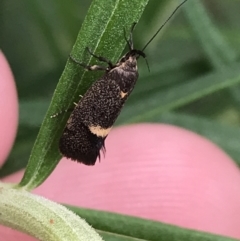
(130, 58)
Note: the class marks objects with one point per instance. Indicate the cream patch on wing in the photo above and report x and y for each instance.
(123, 94)
(99, 131)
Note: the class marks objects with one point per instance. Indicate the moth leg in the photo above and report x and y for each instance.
(88, 67)
(100, 58)
(61, 112)
(126, 39)
(93, 67)
(64, 111)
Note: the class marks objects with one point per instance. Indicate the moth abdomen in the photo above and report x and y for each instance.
(81, 145)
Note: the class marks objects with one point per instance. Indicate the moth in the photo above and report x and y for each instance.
(93, 117)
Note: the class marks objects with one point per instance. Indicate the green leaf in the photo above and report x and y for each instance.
(180, 95)
(102, 32)
(120, 226)
(42, 218)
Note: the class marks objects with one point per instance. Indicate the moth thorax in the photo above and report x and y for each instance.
(130, 64)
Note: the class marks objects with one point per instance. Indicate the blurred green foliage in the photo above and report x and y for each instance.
(194, 78)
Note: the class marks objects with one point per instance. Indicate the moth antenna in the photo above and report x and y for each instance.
(163, 25)
(147, 64)
(130, 40)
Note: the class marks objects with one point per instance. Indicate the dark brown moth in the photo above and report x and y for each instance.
(93, 117)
